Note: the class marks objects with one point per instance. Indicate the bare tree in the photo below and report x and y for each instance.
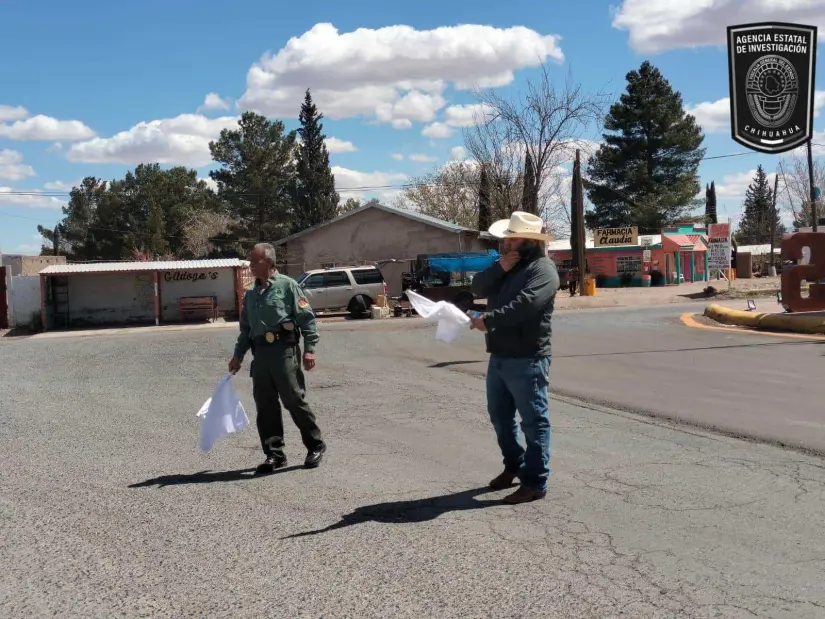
(544, 127)
(202, 228)
(795, 190)
(450, 192)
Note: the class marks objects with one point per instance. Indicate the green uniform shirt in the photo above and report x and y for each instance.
(266, 308)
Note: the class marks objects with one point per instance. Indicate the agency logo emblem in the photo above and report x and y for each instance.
(772, 67)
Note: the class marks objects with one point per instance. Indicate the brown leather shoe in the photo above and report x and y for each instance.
(524, 495)
(504, 481)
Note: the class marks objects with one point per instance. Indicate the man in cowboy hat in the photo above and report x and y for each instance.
(520, 289)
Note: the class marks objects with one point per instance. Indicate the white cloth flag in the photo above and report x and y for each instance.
(451, 320)
(222, 414)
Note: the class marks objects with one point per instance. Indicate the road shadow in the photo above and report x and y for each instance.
(694, 349)
(208, 477)
(409, 512)
(20, 332)
(446, 364)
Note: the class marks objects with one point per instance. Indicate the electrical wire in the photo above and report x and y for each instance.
(58, 194)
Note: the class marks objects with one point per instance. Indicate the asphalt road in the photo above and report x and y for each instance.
(645, 360)
(108, 510)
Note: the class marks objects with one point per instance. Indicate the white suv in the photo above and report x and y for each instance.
(355, 289)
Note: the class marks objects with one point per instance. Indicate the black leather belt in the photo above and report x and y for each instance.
(270, 337)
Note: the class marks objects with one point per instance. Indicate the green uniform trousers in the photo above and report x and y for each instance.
(276, 371)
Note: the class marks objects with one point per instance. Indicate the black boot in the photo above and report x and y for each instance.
(314, 457)
(271, 464)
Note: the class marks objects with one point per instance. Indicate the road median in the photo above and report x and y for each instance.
(808, 323)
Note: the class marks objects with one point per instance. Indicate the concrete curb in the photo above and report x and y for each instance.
(794, 323)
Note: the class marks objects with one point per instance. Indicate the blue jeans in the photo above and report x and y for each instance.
(521, 384)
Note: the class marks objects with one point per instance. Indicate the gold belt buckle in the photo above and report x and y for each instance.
(270, 337)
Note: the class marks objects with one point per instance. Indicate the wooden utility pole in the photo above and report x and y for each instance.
(773, 223)
(581, 255)
(814, 214)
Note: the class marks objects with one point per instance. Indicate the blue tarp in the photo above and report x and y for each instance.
(462, 262)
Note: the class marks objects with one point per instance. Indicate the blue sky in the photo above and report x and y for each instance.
(96, 90)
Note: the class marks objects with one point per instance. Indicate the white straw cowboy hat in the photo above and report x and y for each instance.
(521, 225)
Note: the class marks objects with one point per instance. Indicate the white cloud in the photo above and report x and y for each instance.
(45, 128)
(213, 101)
(9, 113)
(714, 116)
(734, 186)
(334, 145)
(658, 25)
(421, 158)
(12, 167)
(817, 146)
(213, 185)
(414, 106)
(54, 148)
(467, 115)
(359, 185)
(437, 131)
(458, 153)
(395, 74)
(61, 186)
(28, 198)
(398, 156)
(183, 140)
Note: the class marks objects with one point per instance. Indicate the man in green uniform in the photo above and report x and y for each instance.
(274, 315)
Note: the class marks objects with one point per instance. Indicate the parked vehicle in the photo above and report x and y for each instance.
(447, 277)
(354, 289)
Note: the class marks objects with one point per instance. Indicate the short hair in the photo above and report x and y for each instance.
(269, 251)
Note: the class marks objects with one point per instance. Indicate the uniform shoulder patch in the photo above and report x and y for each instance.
(303, 303)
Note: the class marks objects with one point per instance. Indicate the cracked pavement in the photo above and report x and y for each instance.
(108, 510)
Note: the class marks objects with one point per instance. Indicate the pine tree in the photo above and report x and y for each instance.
(646, 172)
(256, 176)
(755, 225)
(529, 196)
(316, 200)
(710, 204)
(485, 214)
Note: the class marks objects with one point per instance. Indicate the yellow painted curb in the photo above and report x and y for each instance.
(794, 323)
(688, 320)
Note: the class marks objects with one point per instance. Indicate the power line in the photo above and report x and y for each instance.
(59, 194)
(56, 194)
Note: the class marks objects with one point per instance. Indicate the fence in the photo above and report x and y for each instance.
(24, 300)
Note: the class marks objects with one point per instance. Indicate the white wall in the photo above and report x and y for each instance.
(24, 299)
(111, 298)
(177, 284)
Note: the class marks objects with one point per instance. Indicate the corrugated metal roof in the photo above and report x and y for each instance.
(758, 250)
(414, 215)
(564, 245)
(130, 267)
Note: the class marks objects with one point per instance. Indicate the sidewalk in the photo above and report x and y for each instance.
(685, 293)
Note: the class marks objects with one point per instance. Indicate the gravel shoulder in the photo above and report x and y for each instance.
(108, 510)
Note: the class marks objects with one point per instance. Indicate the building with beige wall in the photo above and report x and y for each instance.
(376, 233)
(29, 265)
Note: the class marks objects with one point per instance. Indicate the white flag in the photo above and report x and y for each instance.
(222, 414)
(451, 320)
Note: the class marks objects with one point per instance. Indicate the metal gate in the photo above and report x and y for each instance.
(4, 300)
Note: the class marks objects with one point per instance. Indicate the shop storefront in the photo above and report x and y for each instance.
(123, 293)
(686, 253)
(616, 258)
